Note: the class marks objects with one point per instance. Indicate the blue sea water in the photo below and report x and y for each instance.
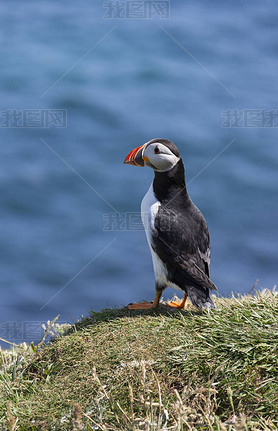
(122, 82)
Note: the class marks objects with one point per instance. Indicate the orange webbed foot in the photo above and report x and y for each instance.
(180, 304)
(146, 305)
(140, 306)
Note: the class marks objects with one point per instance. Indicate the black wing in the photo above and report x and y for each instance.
(181, 240)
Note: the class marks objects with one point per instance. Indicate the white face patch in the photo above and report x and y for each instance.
(160, 156)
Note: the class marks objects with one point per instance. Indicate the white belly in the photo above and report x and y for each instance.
(149, 208)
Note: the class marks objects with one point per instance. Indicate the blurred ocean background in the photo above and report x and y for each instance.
(122, 82)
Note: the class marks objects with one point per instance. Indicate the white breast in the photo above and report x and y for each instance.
(149, 208)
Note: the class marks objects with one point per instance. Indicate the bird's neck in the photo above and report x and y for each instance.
(171, 185)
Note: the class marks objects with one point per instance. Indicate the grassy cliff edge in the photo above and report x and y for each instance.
(151, 370)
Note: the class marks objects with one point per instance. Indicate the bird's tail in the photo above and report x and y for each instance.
(200, 297)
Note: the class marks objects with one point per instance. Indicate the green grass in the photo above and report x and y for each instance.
(151, 370)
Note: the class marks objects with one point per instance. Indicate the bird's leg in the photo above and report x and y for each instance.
(157, 299)
(146, 305)
(181, 305)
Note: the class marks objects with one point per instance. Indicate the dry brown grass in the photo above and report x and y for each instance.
(151, 371)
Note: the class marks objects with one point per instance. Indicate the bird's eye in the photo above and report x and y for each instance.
(157, 150)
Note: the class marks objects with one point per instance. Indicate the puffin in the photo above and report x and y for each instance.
(176, 230)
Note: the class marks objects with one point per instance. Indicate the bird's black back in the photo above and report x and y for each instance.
(181, 236)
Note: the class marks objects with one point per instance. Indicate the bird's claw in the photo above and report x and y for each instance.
(140, 306)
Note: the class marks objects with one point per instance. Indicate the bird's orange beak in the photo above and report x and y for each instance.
(136, 157)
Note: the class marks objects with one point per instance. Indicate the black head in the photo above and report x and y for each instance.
(160, 154)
